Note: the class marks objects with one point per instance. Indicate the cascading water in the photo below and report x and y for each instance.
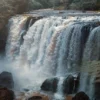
(15, 35)
(91, 53)
(53, 46)
(59, 95)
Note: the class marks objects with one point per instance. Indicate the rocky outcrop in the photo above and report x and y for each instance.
(6, 94)
(50, 85)
(68, 85)
(80, 96)
(97, 91)
(6, 80)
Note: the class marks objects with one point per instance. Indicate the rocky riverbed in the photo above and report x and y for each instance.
(7, 91)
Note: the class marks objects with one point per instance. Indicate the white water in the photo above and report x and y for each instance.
(92, 50)
(51, 46)
(59, 95)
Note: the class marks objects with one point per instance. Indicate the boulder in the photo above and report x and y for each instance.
(6, 94)
(6, 80)
(97, 82)
(97, 90)
(68, 85)
(38, 96)
(80, 96)
(50, 85)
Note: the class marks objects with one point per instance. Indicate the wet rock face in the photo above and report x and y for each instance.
(97, 91)
(68, 85)
(81, 96)
(97, 82)
(6, 94)
(50, 85)
(6, 80)
(71, 84)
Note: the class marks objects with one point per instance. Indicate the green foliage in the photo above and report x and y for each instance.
(35, 5)
(38, 4)
(76, 6)
(45, 3)
(9, 8)
(84, 4)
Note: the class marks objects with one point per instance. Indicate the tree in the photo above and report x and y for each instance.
(66, 3)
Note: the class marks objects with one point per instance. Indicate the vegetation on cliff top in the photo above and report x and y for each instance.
(9, 8)
(67, 4)
(12, 7)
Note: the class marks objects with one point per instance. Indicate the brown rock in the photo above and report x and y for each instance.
(6, 94)
(38, 96)
(81, 96)
(69, 97)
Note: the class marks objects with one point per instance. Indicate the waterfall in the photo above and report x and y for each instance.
(54, 46)
(16, 30)
(92, 50)
(91, 54)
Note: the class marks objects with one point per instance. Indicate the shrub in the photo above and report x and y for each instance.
(9, 8)
(38, 4)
